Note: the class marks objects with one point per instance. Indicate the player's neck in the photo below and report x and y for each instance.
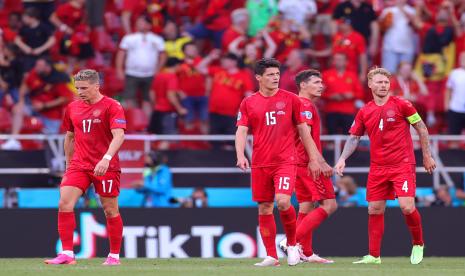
(380, 101)
(268, 92)
(96, 99)
(308, 97)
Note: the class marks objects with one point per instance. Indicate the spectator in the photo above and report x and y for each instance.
(347, 195)
(165, 95)
(287, 38)
(198, 199)
(363, 20)
(455, 98)
(44, 9)
(297, 11)
(11, 72)
(399, 37)
(140, 56)
(260, 12)
(132, 10)
(192, 85)
(443, 197)
(8, 33)
(35, 38)
(173, 42)
(342, 96)
(157, 183)
(254, 49)
(240, 24)
(44, 92)
(295, 62)
(229, 85)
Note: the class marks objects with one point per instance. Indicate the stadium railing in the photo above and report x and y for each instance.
(55, 143)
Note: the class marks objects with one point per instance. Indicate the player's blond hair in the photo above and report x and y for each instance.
(87, 75)
(378, 71)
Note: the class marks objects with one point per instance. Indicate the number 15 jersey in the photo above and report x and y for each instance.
(272, 122)
(92, 125)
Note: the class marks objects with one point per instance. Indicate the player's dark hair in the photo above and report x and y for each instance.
(264, 63)
(305, 75)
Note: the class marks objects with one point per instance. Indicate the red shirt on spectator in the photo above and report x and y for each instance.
(42, 91)
(181, 9)
(326, 7)
(285, 43)
(397, 88)
(8, 35)
(341, 84)
(287, 81)
(228, 90)
(217, 15)
(70, 15)
(152, 7)
(229, 36)
(162, 84)
(352, 45)
(191, 81)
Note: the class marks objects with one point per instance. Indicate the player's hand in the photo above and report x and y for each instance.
(341, 164)
(429, 164)
(102, 167)
(315, 169)
(326, 169)
(243, 163)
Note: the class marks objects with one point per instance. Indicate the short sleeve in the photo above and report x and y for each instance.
(361, 45)
(296, 110)
(409, 112)
(67, 124)
(242, 115)
(358, 126)
(450, 81)
(173, 84)
(124, 44)
(160, 43)
(116, 115)
(307, 112)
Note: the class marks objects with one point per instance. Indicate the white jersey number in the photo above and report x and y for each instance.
(381, 125)
(270, 118)
(86, 125)
(284, 183)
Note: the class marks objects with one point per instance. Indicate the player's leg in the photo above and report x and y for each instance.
(413, 220)
(263, 194)
(107, 187)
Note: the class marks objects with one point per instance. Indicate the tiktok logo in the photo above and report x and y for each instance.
(90, 229)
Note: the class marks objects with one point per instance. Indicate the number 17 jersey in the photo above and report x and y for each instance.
(272, 122)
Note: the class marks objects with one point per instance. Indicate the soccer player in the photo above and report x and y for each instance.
(387, 119)
(273, 116)
(94, 127)
(310, 86)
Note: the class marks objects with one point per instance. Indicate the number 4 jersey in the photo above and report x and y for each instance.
(272, 122)
(388, 127)
(92, 125)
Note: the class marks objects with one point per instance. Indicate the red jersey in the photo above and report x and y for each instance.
(341, 84)
(70, 15)
(92, 125)
(153, 8)
(162, 83)
(272, 122)
(388, 127)
(228, 90)
(352, 45)
(191, 81)
(309, 115)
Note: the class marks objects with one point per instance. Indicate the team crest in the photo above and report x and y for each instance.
(390, 113)
(280, 105)
(96, 112)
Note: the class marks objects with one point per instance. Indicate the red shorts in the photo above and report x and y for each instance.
(306, 189)
(106, 185)
(389, 183)
(268, 181)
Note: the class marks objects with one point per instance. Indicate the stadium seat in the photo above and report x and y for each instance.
(136, 120)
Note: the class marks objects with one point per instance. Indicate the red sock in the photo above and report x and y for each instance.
(66, 225)
(375, 234)
(413, 221)
(288, 219)
(300, 217)
(306, 241)
(115, 233)
(306, 228)
(267, 228)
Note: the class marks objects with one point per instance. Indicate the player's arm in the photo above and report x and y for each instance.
(422, 130)
(118, 139)
(69, 147)
(241, 139)
(349, 148)
(315, 158)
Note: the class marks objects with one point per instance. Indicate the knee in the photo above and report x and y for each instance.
(111, 212)
(265, 208)
(65, 205)
(407, 209)
(375, 210)
(330, 207)
(283, 204)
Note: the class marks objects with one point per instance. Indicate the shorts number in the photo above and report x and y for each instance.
(110, 184)
(405, 187)
(270, 118)
(283, 183)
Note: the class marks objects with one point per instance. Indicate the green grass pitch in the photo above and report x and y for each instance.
(193, 266)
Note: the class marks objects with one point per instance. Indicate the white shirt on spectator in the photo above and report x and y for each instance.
(399, 37)
(456, 83)
(142, 51)
(297, 10)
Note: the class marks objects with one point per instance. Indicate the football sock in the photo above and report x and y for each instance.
(306, 228)
(66, 225)
(267, 228)
(288, 219)
(115, 256)
(115, 233)
(413, 221)
(375, 234)
(306, 240)
(68, 253)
